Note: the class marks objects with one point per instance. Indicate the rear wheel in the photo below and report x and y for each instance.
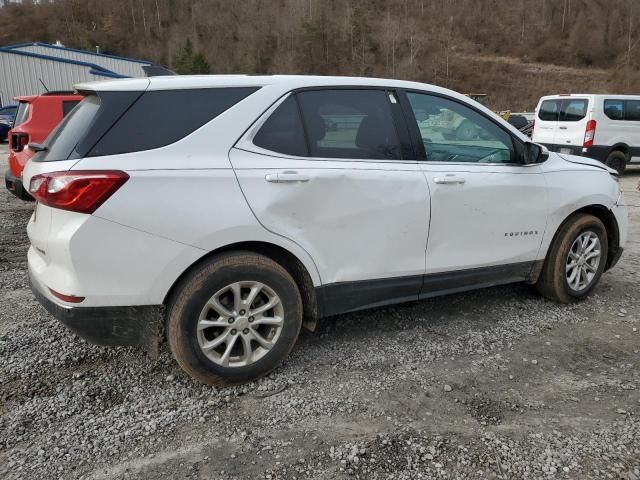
(576, 260)
(234, 319)
(617, 160)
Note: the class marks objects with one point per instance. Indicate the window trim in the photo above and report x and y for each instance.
(404, 138)
(517, 143)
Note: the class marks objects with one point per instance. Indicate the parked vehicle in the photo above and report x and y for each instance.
(7, 115)
(223, 211)
(604, 127)
(35, 117)
(521, 123)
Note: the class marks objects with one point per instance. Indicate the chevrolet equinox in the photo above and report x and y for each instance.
(223, 213)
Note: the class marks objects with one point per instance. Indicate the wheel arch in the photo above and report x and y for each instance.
(606, 216)
(620, 147)
(278, 254)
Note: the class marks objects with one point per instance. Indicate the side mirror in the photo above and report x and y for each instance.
(534, 153)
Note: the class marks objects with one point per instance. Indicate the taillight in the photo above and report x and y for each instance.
(19, 141)
(589, 134)
(77, 191)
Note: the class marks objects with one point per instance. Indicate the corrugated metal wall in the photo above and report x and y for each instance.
(122, 66)
(19, 75)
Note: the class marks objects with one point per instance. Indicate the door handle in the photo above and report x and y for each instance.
(286, 177)
(563, 128)
(449, 180)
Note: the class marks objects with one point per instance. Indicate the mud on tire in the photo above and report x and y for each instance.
(553, 283)
(194, 321)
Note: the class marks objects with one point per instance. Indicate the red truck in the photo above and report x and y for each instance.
(36, 117)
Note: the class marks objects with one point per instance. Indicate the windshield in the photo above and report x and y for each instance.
(23, 113)
(8, 112)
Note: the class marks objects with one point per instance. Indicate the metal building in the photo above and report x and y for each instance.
(26, 69)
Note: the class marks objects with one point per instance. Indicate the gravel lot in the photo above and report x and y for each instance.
(497, 383)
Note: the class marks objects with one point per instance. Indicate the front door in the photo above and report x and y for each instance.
(488, 212)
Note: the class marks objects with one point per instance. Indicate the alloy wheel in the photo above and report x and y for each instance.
(583, 260)
(240, 324)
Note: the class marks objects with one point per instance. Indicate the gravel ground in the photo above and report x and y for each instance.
(497, 383)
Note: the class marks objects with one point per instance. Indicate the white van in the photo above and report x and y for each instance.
(603, 127)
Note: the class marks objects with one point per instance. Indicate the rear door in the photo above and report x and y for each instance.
(330, 169)
(574, 115)
(547, 118)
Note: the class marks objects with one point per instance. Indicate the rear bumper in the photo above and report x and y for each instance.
(14, 185)
(136, 326)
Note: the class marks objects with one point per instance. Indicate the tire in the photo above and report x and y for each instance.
(554, 282)
(206, 298)
(617, 160)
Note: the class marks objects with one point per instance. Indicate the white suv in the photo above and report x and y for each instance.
(604, 127)
(225, 212)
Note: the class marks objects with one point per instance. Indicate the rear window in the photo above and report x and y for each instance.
(349, 124)
(22, 115)
(563, 110)
(63, 139)
(282, 132)
(573, 110)
(549, 110)
(110, 123)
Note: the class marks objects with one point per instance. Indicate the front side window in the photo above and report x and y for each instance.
(632, 108)
(453, 132)
(350, 124)
(614, 109)
(549, 110)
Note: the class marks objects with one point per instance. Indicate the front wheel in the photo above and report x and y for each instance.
(576, 260)
(234, 319)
